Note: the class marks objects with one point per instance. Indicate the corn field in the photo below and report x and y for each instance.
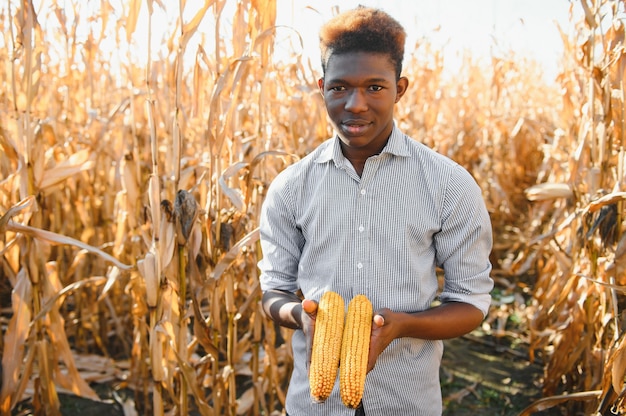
(130, 194)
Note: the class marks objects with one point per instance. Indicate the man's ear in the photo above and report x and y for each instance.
(401, 86)
(320, 84)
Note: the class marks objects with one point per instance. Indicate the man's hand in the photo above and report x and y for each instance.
(309, 313)
(448, 320)
(288, 310)
(382, 335)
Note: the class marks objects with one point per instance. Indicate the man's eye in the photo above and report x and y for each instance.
(376, 88)
(338, 88)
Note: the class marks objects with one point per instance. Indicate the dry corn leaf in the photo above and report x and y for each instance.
(544, 191)
(77, 162)
(619, 288)
(29, 30)
(266, 35)
(130, 185)
(134, 7)
(55, 239)
(190, 27)
(251, 238)
(191, 380)
(25, 380)
(112, 276)
(240, 29)
(552, 401)
(605, 200)
(618, 266)
(246, 401)
(234, 195)
(14, 341)
(55, 300)
(590, 17)
(14, 210)
(202, 330)
(266, 12)
(215, 131)
(60, 349)
(251, 299)
(618, 368)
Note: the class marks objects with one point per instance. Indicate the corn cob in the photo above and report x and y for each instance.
(355, 350)
(326, 345)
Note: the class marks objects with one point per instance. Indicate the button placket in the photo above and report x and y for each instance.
(360, 240)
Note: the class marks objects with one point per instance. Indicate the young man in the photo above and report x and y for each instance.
(372, 211)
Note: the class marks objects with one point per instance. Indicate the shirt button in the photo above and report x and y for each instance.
(359, 265)
(362, 191)
(361, 229)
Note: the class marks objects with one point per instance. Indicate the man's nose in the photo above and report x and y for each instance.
(356, 101)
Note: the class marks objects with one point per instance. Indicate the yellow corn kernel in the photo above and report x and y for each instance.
(355, 350)
(326, 345)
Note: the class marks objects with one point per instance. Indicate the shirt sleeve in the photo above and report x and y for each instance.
(464, 243)
(281, 238)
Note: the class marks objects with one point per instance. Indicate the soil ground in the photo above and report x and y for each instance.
(485, 376)
(480, 375)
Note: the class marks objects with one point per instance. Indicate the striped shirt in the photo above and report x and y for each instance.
(383, 235)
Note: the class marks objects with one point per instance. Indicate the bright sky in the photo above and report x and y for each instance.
(528, 27)
(480, 27)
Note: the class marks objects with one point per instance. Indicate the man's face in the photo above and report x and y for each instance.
(360, 91)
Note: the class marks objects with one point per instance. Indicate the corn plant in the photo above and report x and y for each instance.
(131, 181)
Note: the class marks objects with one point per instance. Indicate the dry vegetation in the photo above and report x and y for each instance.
(130, 193)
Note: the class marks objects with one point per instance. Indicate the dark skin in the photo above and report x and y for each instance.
(360, 91)
(449, 320)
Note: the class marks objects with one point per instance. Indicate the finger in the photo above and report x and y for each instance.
(309, 306)
(379, 320)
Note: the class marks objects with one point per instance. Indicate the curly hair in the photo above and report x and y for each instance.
(363, 29)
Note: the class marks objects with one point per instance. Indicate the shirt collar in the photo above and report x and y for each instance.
(396, 146)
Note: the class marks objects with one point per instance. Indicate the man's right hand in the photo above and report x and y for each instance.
(309, 313)
(288, 310)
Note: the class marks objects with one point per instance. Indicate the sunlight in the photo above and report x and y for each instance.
(482, 28)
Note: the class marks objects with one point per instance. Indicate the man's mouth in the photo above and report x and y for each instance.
(355, 128)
